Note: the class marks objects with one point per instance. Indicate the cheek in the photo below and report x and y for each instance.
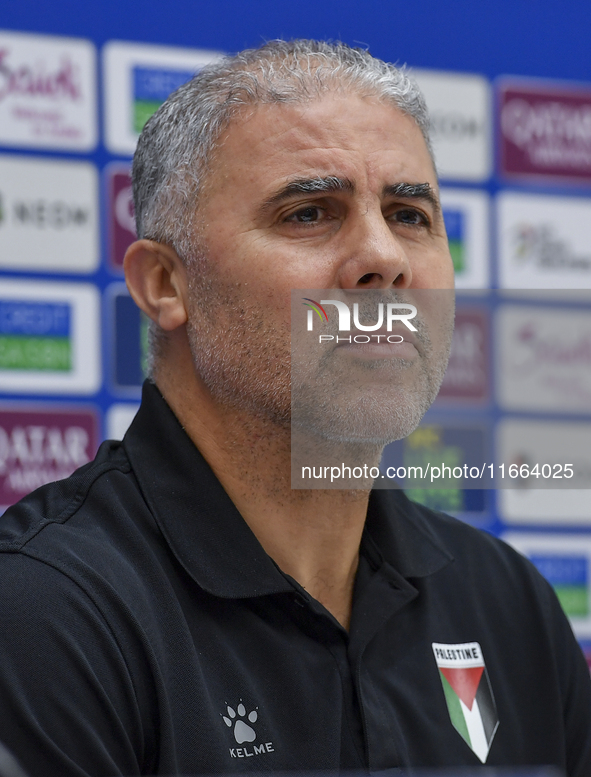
(436, 271)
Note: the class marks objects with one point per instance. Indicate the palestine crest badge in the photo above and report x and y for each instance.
(468, 694)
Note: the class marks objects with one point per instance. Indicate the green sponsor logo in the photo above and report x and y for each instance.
(456, 249)
(454, 226)
(574, 600)
(50, 354)
(142, 110)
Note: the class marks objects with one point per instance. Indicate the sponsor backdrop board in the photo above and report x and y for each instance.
(466, 216)
(565, 562)
(129, 331)
(49, 221)
(544, 242)
(138, 78)
(512, 144)
(40, 444)
(543, 359)
(49, 338)
(48, 97)
(119, 417)
(459, 106)
(468, 374)
(120, 213)
(544, 130)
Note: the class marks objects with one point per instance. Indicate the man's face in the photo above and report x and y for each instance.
(329, 194)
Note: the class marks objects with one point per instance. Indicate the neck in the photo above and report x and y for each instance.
(312, 534)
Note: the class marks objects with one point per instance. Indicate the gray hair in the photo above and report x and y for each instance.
(177, 142)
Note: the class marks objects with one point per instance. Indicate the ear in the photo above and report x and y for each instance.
(157, 281)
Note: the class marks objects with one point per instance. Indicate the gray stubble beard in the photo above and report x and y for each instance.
(245, 363)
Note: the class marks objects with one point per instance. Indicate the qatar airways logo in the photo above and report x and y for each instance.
(545, 130)
(38, 81)
(389, 313)
(523, 122)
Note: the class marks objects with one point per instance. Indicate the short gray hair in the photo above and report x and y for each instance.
(177, 142)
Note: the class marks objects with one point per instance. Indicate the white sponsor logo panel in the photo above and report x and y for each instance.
(459, 107)
(47, 92)
(543, 359)
(544, 242)
(551, 445)
(48, 215)
(119, 418)
(542, 506)
(26, 307)
(123, 63)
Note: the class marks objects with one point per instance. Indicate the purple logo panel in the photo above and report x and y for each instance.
(121, 214)
(467, 375)
(545, 131)
(39, 446)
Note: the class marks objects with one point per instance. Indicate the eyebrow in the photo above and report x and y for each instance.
(410, 191)
(327, 185)
(332, 183)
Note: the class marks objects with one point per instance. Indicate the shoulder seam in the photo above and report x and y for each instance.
(88, 479)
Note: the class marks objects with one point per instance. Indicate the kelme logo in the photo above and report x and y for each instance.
(242, 724)
(469, 697)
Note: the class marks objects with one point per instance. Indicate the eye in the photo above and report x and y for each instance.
(412, 217)
(307, 215)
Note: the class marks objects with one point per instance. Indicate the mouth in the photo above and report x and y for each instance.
(399, 343)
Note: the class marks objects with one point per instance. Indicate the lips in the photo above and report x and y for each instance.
(383, 334)
(378, 350)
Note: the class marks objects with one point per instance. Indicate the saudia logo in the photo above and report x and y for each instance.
(393, 313)
(36, 81)
(548, 349)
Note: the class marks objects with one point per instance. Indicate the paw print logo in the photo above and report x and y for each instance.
(236, 720)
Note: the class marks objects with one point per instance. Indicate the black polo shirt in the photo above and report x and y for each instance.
(144, 630)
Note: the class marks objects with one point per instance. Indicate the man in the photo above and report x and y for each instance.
(176, 607)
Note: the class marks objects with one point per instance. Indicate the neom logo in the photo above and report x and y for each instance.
(38, 81)
(455, 126)
(55, 214)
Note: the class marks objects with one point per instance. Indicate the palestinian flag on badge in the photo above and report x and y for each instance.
(468, 694)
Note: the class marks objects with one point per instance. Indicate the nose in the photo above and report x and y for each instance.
(376, 258)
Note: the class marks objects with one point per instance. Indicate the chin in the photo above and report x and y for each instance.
(370, 421)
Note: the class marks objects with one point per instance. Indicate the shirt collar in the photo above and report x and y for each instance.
(210, 538)
(404, 535)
